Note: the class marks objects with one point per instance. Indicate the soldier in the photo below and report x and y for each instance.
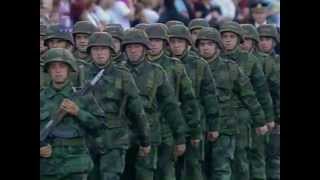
(116, 31)
(259, 12)
(195, 25)
(58, 37)
(182, 84)
(66, 155)
(231, 34)
(205, 91)
(159, 100)
(119, 105)
(43, 33)
(268, 40)
(257, 152)
(233, 87)
(81, 32)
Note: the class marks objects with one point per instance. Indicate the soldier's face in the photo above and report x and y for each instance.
(194, 34)
(58, 72)
(156, 46)
(82, 41)
(100, 55)
(116, 44)
(207, 48)
(57, 43)
(177, 46)
(229, 40)
(266, 44)
(42, 46)
(135, 52)
(247, 45)
(259, 17)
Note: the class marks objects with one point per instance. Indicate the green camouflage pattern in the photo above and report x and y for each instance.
(116, 31)
(180, 31)
(156, 31)
(58, 32)
(250, 31)
(70, 155)
(269, 30)
(135, 36)
(173, 22)
(84, 27)
(198, 23)
(232, 26)
(210, 34)
(43, 30)
(59, 55)
(103, 39)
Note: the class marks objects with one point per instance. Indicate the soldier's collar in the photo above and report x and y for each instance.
(64, 91)
(156, 57)
(213, 59)
(234, 54)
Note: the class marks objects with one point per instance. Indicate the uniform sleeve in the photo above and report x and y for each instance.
(135, 109)
(209, 101)
(189, 104)
(245, 91)
(169, 107)
(274, 86)
(259, 83)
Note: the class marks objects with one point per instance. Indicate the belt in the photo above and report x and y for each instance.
(68, 142)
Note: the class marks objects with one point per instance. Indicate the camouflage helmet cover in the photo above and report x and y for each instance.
(180, 31)
(157, 31)
(231, 26)
(116, 30)
(198, 23)
(84, 27)
(269, 30)
(249, 31)
(59, 55)
(103, 39)
(135, 36)
(209, 33)
(43, 30)
(58, 32)
(173, 22)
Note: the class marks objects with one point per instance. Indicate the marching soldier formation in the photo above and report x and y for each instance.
(160, 102)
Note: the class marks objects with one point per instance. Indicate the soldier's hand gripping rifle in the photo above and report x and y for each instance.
(58, 116)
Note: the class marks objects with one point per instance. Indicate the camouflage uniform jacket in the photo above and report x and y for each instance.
(233, 86)
(158, 98)
(254, 71)
(182, 84)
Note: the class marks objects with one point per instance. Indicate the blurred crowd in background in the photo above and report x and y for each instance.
(129, 13)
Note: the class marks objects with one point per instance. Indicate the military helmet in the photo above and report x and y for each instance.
(173, 22)
(116, 30)
(58, 32)
(231, 26)
(209, 33)
(157, 31)
(100, 39)
(141, 26)
(249, 31)
(43, 30)
(135, 36)
(84, 27)
(180, 31)
(198, 23)
(59, 55)
(268, 30)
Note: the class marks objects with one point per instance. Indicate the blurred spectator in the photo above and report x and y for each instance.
(243, 16)
(170, 12)
(202, 8)
(184, 7)
(259, 13)
(139, 16)
(151, 15)
(95, 14)
(76, 9)
(119, 12)
(214, 17)
(227, 7)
